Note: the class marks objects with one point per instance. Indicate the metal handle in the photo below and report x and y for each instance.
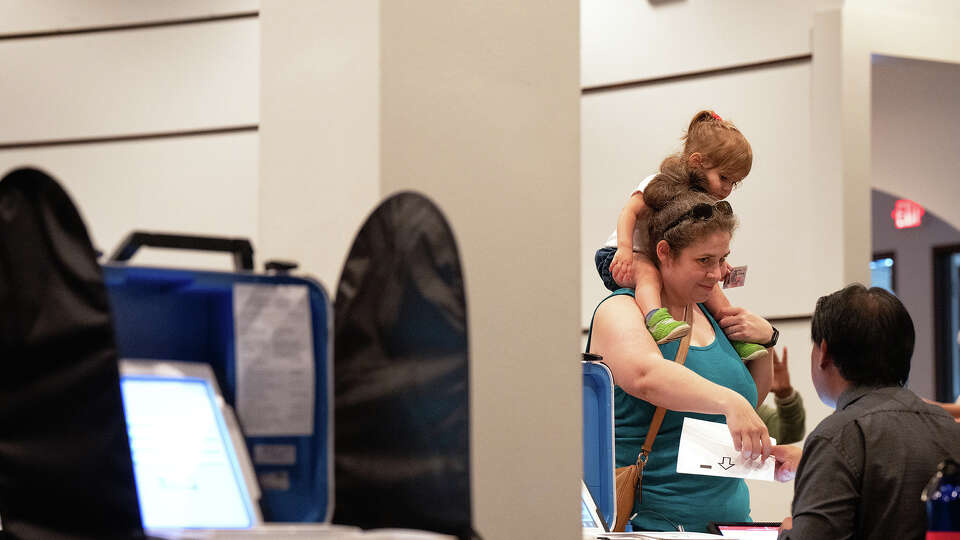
(241, 248)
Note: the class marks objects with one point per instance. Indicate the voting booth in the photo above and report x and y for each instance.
(598, 442)
(199, 404)
(266, 340)
(262, 344)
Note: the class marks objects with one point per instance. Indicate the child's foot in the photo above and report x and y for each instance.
(665, 328)
(749, 351)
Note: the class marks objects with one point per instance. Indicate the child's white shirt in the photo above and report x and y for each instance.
(640, 230)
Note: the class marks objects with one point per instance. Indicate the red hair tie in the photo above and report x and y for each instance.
(716, 116)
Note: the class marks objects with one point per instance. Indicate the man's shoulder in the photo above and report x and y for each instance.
(871, 411)
(834, 424)
(868, 403)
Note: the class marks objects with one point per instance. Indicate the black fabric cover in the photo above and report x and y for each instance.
(402, 456)
(65, 468)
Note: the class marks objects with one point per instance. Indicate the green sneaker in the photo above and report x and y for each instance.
(749, 351)
(665, 328)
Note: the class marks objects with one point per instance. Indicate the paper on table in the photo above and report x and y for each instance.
(672, 535)
(274, 353)
(706, 448)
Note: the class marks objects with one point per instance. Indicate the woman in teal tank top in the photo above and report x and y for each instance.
(689, 240)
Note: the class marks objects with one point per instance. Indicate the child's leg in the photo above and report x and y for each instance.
(602, 259)
(661, 324)
(648, 283)
(748, 351)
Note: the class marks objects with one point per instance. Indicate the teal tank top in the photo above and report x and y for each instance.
(671, 498)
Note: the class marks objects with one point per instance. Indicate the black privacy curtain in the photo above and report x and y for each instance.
(65, 468)
(400, 375)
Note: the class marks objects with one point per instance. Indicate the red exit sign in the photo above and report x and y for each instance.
(906, 214)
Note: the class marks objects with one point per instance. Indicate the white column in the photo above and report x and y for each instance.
(475, 105)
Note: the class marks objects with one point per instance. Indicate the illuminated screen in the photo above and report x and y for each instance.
(750, 532)
(186, 472)
(586, 516)
(881, 274)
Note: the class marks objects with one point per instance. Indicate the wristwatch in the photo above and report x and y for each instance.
(773, 340)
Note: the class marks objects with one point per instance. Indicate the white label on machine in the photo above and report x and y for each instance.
(274, 354)
(275, 454)
(275, 480)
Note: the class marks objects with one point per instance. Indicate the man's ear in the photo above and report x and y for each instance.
(825, 358)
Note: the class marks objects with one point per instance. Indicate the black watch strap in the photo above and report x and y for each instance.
(773, 340)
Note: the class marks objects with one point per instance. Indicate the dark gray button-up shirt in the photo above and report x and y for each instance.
(864, 467)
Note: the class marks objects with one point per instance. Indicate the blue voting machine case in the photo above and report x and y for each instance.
(598, 449)
(188, 315)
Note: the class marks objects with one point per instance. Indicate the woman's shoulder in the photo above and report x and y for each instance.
(618, 301)
(618, 297)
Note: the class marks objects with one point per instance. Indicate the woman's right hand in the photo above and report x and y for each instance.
(621, 268)
(748, 431)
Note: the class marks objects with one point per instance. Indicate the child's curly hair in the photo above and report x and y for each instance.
(720, 143)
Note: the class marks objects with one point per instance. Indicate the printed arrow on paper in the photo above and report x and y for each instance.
(726, 463)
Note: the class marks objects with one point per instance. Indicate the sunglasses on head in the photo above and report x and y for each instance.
(703, 212)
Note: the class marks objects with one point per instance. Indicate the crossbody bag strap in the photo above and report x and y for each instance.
(660, 412)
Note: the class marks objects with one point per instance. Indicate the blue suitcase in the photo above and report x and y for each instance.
(187, 315)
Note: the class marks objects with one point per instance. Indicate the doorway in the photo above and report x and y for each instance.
(946, 292)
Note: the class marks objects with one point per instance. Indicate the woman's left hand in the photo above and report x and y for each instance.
(741, 324)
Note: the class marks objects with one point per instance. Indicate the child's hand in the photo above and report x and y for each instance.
(743, 325)
(725, 271)
(622, 267)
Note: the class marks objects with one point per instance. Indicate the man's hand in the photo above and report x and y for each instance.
(741, 324)
(788, 457)
(781, 375)
(786, 524)
(621, 268)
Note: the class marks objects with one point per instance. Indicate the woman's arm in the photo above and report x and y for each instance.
(638, 367)
(952, 408)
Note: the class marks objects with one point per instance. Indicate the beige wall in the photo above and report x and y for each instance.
(30, 16)
(104, 83)
(319, 130)
(624, 40)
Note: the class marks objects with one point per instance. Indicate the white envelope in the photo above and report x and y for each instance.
(706, 448)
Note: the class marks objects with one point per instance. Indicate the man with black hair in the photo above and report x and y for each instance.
(862, 469)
